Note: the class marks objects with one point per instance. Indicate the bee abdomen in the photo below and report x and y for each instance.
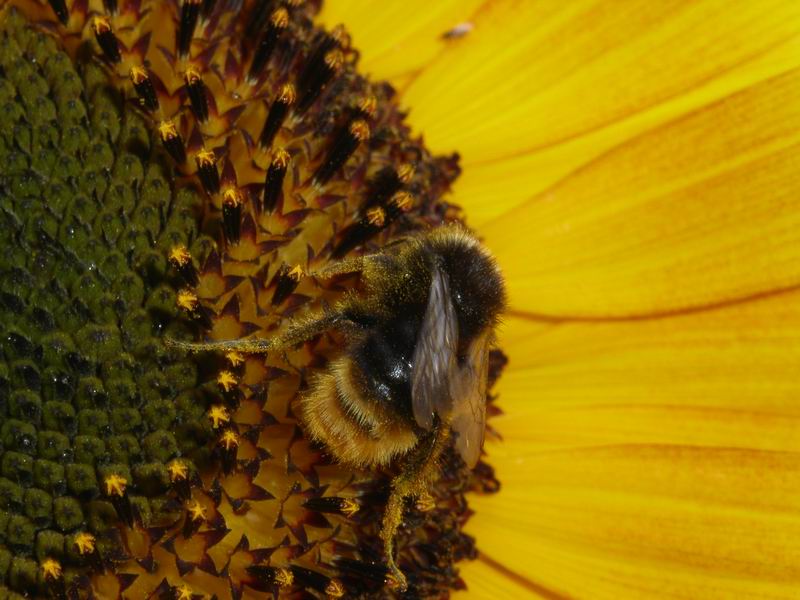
(351, 426)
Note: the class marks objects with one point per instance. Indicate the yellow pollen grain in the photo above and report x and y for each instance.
(334, 59)
(51, 569)
(376, 216)
(85, 542)
(177, 470)
(229, 439)
(280, 18)
(115, 485)
(218, 415)
(349, 507)
(197, 511)
(335, 589)
(284, 577)
(405, 172)
(138, 74)
(179, 255)
(205, 158)
(360, 130)
(227, 380)
(281, 158)
(235, 358)
(403, 200)
(287, 94)
(167, 130)
(101, 24)
(187, 300)
(232, 196)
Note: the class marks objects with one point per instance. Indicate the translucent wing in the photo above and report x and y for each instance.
(434, 359)
(468, 391)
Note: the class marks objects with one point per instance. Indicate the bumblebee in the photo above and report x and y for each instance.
(414, 373)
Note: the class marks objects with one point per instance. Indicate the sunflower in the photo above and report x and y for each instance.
(633, 168)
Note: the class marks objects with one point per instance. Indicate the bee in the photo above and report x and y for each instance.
(413, 376)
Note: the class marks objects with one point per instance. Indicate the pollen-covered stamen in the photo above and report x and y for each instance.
(277, 24)
(195, 517)
(342, 148)
(144, 88)
(318, 72)
(85, 543)
(229, 384)
(374, 220)
(277, 114)
(227, 448)
(232, 214)
(188, 301)
(172, 141)
(270, 576)
(207, 171)
(335, 589)
(51, 569)
(116, 488)
(333, 505)
(286, 281)
(184, 592)
(367, 107)
(386, 183)
(234, 358)
(218, 415)
(60, 9)
(179, 478)
(196, 90)
(190, 10)
(108, 42)
(376, 217)
(181, 259)
(227, 380)
(273, 183)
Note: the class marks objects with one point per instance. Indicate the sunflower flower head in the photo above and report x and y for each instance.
(183, 170)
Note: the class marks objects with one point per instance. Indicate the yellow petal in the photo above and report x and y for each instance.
(396, 39)
(700, 211)
(619, 162)
(655, 458)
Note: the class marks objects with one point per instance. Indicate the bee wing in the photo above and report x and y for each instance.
(468, 390)
(434, 359)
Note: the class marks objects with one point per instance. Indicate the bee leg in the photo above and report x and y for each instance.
(417, 472)
(298, 332)
(339, 267)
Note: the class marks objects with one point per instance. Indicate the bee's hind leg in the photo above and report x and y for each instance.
(413, 480)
